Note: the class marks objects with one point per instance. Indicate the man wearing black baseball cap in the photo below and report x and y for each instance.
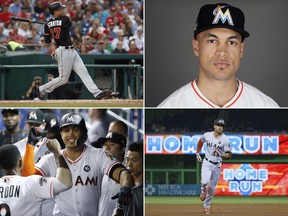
(12, 132)
(219, 44)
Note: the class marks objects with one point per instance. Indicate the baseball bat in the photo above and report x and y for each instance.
(25, 20)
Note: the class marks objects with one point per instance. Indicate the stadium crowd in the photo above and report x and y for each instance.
(99, 26)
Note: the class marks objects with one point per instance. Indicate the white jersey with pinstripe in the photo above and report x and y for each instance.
(190, 95)
(87, 174)
(24, 195)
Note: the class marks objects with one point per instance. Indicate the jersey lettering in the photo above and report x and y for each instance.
(10, 191)
(54, 23)
(88, 181)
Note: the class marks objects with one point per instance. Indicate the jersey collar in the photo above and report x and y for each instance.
(210, 103)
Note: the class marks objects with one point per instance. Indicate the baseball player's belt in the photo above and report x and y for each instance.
(211, 161)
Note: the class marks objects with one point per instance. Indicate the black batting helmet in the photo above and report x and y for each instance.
(75, 119)
(219, 121)
(55, 6)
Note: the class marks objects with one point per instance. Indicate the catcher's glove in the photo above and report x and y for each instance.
(124, 196)
(47, 38)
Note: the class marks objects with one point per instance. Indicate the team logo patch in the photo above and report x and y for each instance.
(42, 181)
(33, 115)
(223, 17)
(87, 168)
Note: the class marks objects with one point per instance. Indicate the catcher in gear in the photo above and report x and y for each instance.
(218, 148)
(57, 28)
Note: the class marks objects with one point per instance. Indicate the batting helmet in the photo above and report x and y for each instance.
(219, 121)
(55, 6)
(75, 119)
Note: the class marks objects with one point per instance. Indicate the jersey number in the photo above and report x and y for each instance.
(55, 32)
(4, 210)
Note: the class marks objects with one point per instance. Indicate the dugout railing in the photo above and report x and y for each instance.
(132, 77)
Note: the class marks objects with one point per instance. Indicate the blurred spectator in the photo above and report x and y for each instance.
(120, 38)
(12, 132)
(101, 15)
(106, 5)
(29, 43)
(24, 29)
(83, 5)
(15, 7)
(133, 48)
(139, 38)
(113, 14)
(5, 14)
(76, 33)
(15, 37)
(28, 6)
(92, 5)
(111, 32)
(83, 49)
(31, 94)
(99, 49)
(36, 37)
(98, 125)
(23, 13)
(86, 41)
(3, 38)
(129, 11)
(119, 48)
(107, 44)
(39, 6)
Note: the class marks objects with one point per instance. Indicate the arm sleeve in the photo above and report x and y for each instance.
(227, 147)
(202, 138)
(45, 165)
(28, 161)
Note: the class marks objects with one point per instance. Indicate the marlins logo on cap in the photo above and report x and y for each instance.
(220, 15)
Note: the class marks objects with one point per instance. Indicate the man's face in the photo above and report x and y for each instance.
(134, 163)
(220, 51)
(113, 148)
(218, 128)
(11, 120)
(70, 134)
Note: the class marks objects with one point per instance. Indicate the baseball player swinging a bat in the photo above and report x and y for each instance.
(24, 195)
(217, 148)
(57, 28)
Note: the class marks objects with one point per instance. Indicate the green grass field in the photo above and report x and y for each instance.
(176, 200)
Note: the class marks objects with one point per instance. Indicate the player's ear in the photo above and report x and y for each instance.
(195, 46)
(242, 49)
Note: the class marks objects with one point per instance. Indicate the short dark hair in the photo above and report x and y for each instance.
(9, 156)
(137, 147)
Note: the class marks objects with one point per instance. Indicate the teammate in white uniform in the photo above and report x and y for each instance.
(88, 165)
(190, 96)
(24, 195)
(219, 43)
(115, 143)
(217, 148)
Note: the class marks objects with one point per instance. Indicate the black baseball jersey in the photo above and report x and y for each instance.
(59, 29)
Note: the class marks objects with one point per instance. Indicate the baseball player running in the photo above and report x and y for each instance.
(88, 165)
(24, 195)
(68, 59)
(217, 148)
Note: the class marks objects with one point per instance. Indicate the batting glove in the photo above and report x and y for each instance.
(198, 157)
(124, 196)
(34, 136)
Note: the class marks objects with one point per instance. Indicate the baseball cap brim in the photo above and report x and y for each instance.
(244, 34)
